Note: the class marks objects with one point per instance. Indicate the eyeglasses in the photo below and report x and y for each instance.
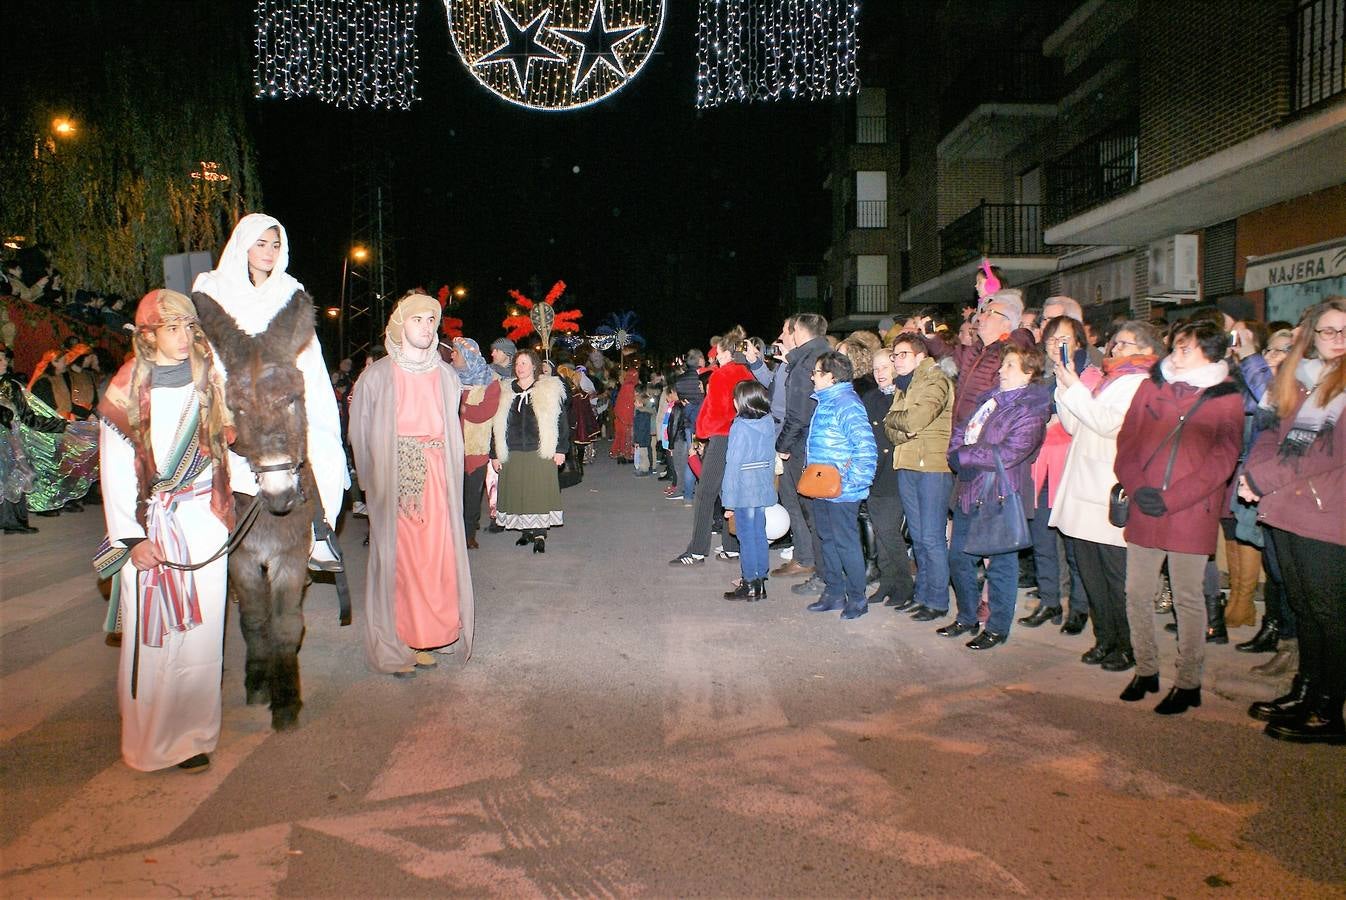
(1125, 344)
(1281, 350)
(901, 354)
(1330, 334)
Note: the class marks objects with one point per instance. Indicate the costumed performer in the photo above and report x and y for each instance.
(166, 497)
(252, 285)
(530, 438)
(17, 476)
(481, 399)
(408, 450)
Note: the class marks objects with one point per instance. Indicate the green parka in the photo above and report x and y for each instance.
(920, 420)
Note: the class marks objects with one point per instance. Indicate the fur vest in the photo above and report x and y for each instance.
(546, 409)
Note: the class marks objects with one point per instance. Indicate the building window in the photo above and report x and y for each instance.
(868, 293)
(1320, 52)
(871, 116)
(1217, 259)
(870, 208)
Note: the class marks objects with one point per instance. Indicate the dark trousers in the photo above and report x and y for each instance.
(1278, 606)
(708, 496)
(803, 532)
(1103, 571)
(1315, 582)
(885, 514)
(842, 558)
(474, 485)
(1046, 559)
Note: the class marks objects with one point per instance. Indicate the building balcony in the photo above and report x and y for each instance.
(868, 214)
(1094, 172)
(997, 102)
(866, 299)
(1318, 70)
(993, 230)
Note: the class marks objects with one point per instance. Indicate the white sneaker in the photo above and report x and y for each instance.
(787, 553)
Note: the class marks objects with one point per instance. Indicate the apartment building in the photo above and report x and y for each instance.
(1141, 156)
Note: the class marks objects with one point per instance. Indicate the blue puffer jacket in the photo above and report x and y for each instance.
(839, 434)
(750, 464)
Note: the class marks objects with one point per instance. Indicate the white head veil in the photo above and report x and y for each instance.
(229, 285)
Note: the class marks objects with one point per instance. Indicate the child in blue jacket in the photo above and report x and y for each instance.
(749, 485)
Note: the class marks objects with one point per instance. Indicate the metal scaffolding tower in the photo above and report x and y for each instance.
(369, 274)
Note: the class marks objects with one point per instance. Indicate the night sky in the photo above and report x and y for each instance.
(689, 218)
(686, 217)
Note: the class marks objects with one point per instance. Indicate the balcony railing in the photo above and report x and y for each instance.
(866, 298)
(1318, 69)
(1000, 76)
(992, 229)
(871, 129)
(867, 214)
(1105, 166)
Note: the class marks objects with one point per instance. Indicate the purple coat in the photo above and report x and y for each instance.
(1016, 428)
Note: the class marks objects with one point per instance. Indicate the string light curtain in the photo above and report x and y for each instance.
(755, 50)
(348, 53)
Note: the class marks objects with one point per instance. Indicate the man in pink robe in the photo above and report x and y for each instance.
(408, 449)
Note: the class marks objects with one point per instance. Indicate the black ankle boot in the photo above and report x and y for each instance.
(1179, 700)
(523, 541)
(1294, 706)
(1324, 725)
(756, 590)
(1265, 640)
(1215, 630)
(1140, 686)
(741, 591)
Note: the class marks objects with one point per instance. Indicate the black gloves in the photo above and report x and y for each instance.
(1150, 501)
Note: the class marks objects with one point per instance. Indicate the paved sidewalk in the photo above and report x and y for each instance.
(621, 731)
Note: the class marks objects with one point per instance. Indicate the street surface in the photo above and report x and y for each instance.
(623, 731)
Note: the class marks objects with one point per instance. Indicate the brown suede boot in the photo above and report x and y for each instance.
(1245, 566)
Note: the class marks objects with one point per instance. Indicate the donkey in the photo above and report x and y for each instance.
(268, 569)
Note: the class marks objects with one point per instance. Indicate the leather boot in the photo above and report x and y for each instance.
(1324, 725)
(757, 590)
(1285, 660)
(1294, 705)
(1215, 627)
(1245, 566)
(1265, 640)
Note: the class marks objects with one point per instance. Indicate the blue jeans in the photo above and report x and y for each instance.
(1002, 575)
(925, 503)
(842, 560)
(688, 479)
(753, 558)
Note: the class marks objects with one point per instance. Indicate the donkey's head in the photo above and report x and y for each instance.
(265, 393)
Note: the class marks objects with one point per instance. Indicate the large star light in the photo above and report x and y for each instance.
(598, 44)
(521, 45)
(586, 50)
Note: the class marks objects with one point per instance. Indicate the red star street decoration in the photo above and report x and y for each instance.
(520, 326)
(449, 326)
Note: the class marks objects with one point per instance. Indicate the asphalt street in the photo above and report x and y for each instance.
(622, 731)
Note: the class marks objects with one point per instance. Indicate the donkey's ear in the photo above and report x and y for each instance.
(221, 330)
(291, 329)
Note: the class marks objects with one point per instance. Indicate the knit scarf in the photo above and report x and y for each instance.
(1315, 421)
(1115, 367)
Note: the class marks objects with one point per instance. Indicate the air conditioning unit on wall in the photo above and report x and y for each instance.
(1173, 267)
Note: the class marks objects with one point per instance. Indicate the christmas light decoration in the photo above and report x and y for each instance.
(753, 50)
(345, 52)
(521, 325)
(555, 54)
(619, 330)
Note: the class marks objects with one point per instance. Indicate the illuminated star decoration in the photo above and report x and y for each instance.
(618, 330)
(449, 326)
(520, 326)
(598, 44)
(521, 45)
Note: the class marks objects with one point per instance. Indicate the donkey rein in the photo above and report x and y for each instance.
(241, 529)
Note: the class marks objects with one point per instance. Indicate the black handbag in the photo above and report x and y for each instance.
(1119, 502)
(998, 523)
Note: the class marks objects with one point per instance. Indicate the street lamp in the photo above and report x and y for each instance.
(63, 127)
(359, 254)
(460, 292)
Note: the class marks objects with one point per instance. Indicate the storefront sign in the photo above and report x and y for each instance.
(1323, 261)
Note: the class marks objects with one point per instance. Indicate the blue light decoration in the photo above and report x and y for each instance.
(618, 331)
(756, 50)
(555, 55)
(349, 53)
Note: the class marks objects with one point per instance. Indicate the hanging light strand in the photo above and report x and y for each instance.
(756, 50)
(348, 53)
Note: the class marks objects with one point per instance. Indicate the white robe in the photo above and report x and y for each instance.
(176, 711)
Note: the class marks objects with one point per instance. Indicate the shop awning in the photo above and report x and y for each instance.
(1325, 260)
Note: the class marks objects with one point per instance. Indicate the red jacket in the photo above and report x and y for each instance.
(717, 410)
(1208, 451)
(1305, 494)
(982, 373)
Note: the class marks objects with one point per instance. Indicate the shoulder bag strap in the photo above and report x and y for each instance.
(1177, 438)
